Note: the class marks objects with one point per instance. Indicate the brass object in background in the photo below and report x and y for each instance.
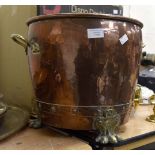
(151, 118)
(151, 99)
(138, 96)
(138, 99)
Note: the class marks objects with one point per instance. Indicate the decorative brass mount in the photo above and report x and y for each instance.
(106, 123)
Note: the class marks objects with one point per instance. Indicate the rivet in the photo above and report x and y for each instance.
(53, 109)
(74, 110)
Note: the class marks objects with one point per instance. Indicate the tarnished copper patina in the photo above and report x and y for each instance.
(75, 76)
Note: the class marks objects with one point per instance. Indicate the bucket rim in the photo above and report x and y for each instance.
(85, 15)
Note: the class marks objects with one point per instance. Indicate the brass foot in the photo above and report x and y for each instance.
(35, 123)
(106, 123)
(105, 139)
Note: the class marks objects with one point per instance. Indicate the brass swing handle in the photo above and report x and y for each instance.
(23, 42)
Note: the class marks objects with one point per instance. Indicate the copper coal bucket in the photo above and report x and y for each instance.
(83, 68)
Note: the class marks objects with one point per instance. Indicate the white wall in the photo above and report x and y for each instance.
(146, 14)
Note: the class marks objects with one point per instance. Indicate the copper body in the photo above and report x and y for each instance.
(73, 75)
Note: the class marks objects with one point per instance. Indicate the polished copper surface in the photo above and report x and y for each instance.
(74, 76)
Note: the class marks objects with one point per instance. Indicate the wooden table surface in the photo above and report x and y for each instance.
(42, 139)
(137, 124)
(46, 139)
